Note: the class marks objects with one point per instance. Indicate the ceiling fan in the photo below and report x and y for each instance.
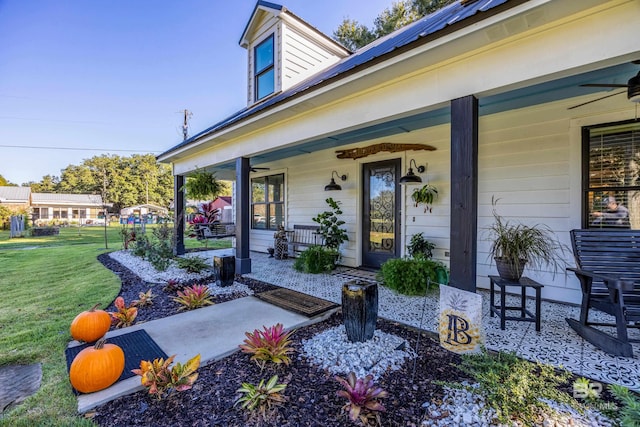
(633, 89)
(256, 169)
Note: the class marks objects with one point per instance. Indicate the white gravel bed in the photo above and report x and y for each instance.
(148, 273)
(463, 407)
(225, 290)
(333, 351)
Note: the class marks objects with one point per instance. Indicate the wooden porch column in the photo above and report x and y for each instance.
(243, 262)
(178, 208)
(464, 192)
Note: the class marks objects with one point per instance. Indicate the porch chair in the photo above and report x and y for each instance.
(608, 267)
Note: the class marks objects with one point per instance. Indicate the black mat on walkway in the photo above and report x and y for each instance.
(297, 302)
(137, 346)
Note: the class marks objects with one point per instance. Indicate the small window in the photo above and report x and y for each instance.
(612, 176)
(267, 202)
(264, 69)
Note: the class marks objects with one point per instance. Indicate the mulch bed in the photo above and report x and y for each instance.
(311, 391)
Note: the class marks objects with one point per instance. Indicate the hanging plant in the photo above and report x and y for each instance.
(203, 185)
(425, 195)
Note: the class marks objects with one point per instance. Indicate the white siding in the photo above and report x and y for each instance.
(528, 158)
(301, 57)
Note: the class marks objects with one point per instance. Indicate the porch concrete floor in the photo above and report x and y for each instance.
(556, 344)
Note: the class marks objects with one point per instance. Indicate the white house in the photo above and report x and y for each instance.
(495, 86)
(85, 209)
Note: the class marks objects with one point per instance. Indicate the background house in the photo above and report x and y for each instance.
(15, 198)
(496, 87)
(84, 209)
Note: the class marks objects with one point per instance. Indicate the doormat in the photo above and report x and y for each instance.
(136, 345)
(297, 302)
(365, 275)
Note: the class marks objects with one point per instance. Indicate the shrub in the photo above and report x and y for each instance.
(158, 252)
(409, 276)
(141, 246)
(362, 398)
(145, 299)
(330, 225)
(173, 285)
(316, 259)
(419, 247)
(125, 316)
(160, 378)
(516, 387)
(192, 264)
(269, 345)
(193, 297)
(630, 411)
(262, 398)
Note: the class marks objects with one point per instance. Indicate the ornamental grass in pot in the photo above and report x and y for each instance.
(516, 246)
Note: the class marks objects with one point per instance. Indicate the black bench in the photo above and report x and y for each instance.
(214, 230)
(303, 236)
(608, 267)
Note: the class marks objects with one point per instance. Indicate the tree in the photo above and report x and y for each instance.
(4, 182)
(48, 184)
(122, 181)
(354, 35)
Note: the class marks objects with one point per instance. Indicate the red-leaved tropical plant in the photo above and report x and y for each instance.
(125, 316)
(194, 296)
(362, 398)
(199, 219)
(271, 344)
(160, 378)
(210, 212)
(173, 285)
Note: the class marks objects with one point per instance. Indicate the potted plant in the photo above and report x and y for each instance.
(203, 185)
(425, 195)
(515, 245)
(419, 247)
(329, 228)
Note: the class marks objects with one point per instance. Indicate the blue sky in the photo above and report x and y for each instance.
(116, 74)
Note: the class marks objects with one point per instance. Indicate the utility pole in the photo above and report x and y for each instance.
(185, 124)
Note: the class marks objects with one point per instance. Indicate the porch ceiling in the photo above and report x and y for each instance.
(539, 93)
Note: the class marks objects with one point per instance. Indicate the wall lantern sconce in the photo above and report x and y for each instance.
(410, 177)
(332, 186)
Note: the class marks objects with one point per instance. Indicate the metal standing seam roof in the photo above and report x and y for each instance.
(428, 25)
(14, 194)
(67, 199)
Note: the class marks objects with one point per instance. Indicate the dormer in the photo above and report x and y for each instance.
(283, 50)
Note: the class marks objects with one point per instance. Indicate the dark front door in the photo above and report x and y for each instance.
(381, 214)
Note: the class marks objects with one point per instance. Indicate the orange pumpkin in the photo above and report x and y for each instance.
(96, 368)
(90, 325)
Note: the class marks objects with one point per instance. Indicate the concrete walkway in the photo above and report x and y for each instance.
(214, 332)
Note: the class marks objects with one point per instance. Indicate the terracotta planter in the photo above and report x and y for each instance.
(508, 270)
(359, 309)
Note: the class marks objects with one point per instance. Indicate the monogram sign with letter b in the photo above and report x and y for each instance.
(460, 323)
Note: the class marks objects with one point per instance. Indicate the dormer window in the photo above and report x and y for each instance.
(264, 69)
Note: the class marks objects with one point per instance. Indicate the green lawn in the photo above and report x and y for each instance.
(45, 283)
